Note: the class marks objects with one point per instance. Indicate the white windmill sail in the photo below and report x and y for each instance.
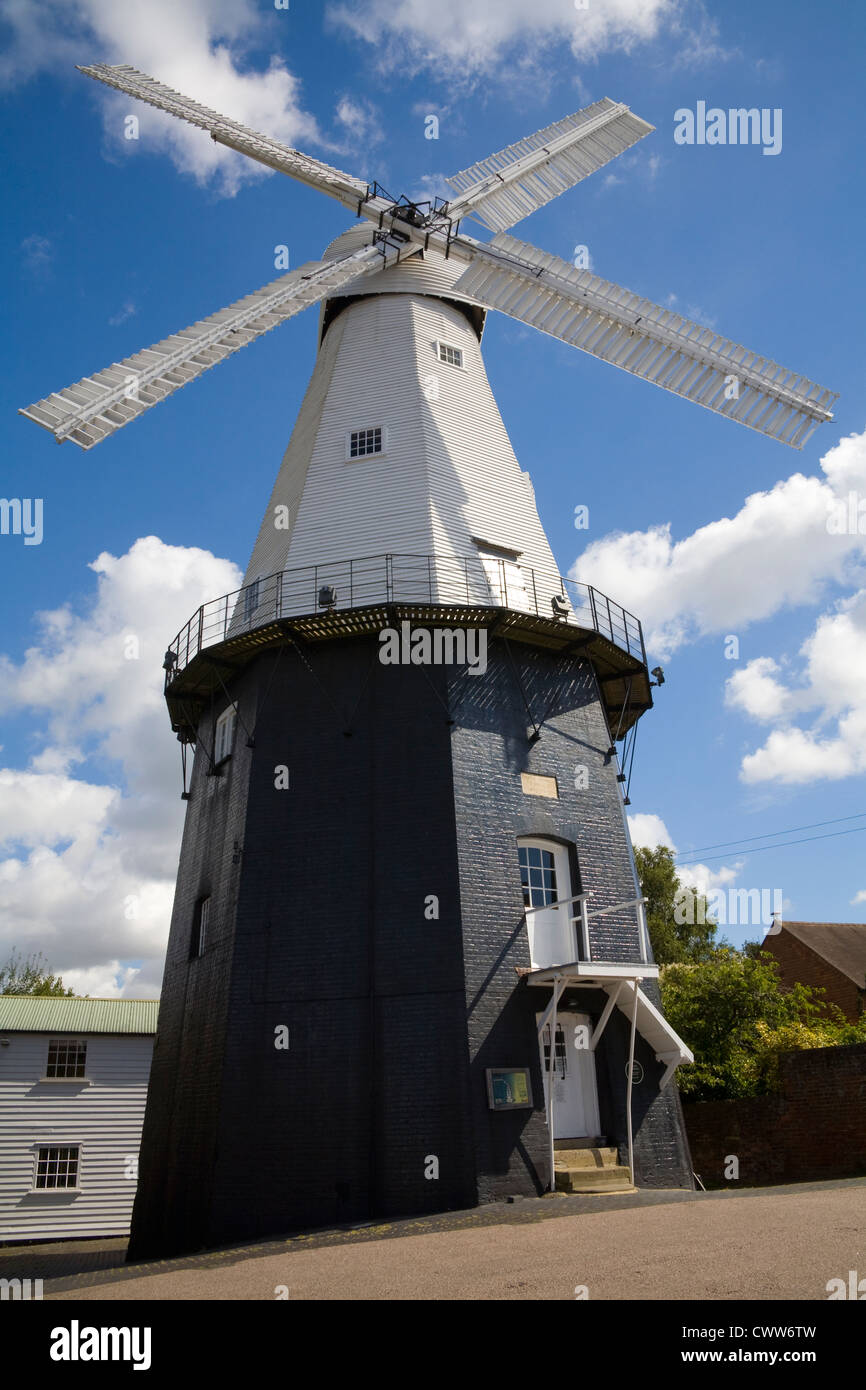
(645, 339)
(224, 131)
(100, 404)
(508, 186)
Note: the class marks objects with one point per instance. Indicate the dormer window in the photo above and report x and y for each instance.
(450, 355)
(361, 443)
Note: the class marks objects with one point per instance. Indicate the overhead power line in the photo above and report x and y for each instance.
(792, 830)
(783, 845)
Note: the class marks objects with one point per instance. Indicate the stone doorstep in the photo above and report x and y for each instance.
(585, 1180)
(590, 1170)
(586, 1158)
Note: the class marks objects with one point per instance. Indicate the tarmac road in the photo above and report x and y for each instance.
(763, 1243)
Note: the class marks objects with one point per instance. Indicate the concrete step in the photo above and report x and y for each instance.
(593, 1158)
(586, 1141)
(592, 1179)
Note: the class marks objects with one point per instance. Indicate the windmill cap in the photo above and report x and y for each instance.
(429, 273)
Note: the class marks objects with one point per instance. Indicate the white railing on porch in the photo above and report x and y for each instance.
(580, 927)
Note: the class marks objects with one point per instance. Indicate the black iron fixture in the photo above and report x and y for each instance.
(170, 660)
(327, 596)
(659, 674)
(559, 606)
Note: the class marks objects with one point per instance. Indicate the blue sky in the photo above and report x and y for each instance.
(111, 244)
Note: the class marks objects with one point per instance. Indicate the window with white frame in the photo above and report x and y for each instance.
(361, 443)
(224, 734)
(67, 1058)
(452, 356)
(56, 1167)
(537, 875)
(201, 921)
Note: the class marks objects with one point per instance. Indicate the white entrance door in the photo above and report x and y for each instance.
(575, 1098)
(545, 878)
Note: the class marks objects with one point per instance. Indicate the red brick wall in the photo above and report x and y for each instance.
(799, 964)
(815, 1128)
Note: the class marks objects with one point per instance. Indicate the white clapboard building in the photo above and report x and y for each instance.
(73, 1082)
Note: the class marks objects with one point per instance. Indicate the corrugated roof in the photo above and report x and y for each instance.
(842, 944)
(35, 1014)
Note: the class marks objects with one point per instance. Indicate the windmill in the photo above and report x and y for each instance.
(409, 966)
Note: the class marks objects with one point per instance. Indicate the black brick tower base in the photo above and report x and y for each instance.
(404, 786)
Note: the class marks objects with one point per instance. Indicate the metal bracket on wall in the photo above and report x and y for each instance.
(236, 703)
(536, 734)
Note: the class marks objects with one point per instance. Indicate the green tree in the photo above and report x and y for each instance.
(660, 885)
(737, 1020)
(30, 976)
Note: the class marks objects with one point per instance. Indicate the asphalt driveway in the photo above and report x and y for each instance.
(759, 1243)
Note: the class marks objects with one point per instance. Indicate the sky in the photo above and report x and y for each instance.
(715, 536)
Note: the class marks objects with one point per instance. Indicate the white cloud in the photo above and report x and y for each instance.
(700, 42)
(639, 163)
(88, 863)
(38, 808)
(360, 118)
(430, 186)
(783, 548)
(112, 981)
(197, 46)
(706, 880)
(467, 37)
(37, 253)
(775, 552)
(755, 690)
(859, 897)
(128, 311)
(648, 831)
(831, 689)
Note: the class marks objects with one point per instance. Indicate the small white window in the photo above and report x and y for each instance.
(224, 736)
(453, 356)
(66, 1058)
(200, 926)
(361, 443)
(56, 1166)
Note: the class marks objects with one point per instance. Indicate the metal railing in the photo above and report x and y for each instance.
(374, 580)
(580, 936)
